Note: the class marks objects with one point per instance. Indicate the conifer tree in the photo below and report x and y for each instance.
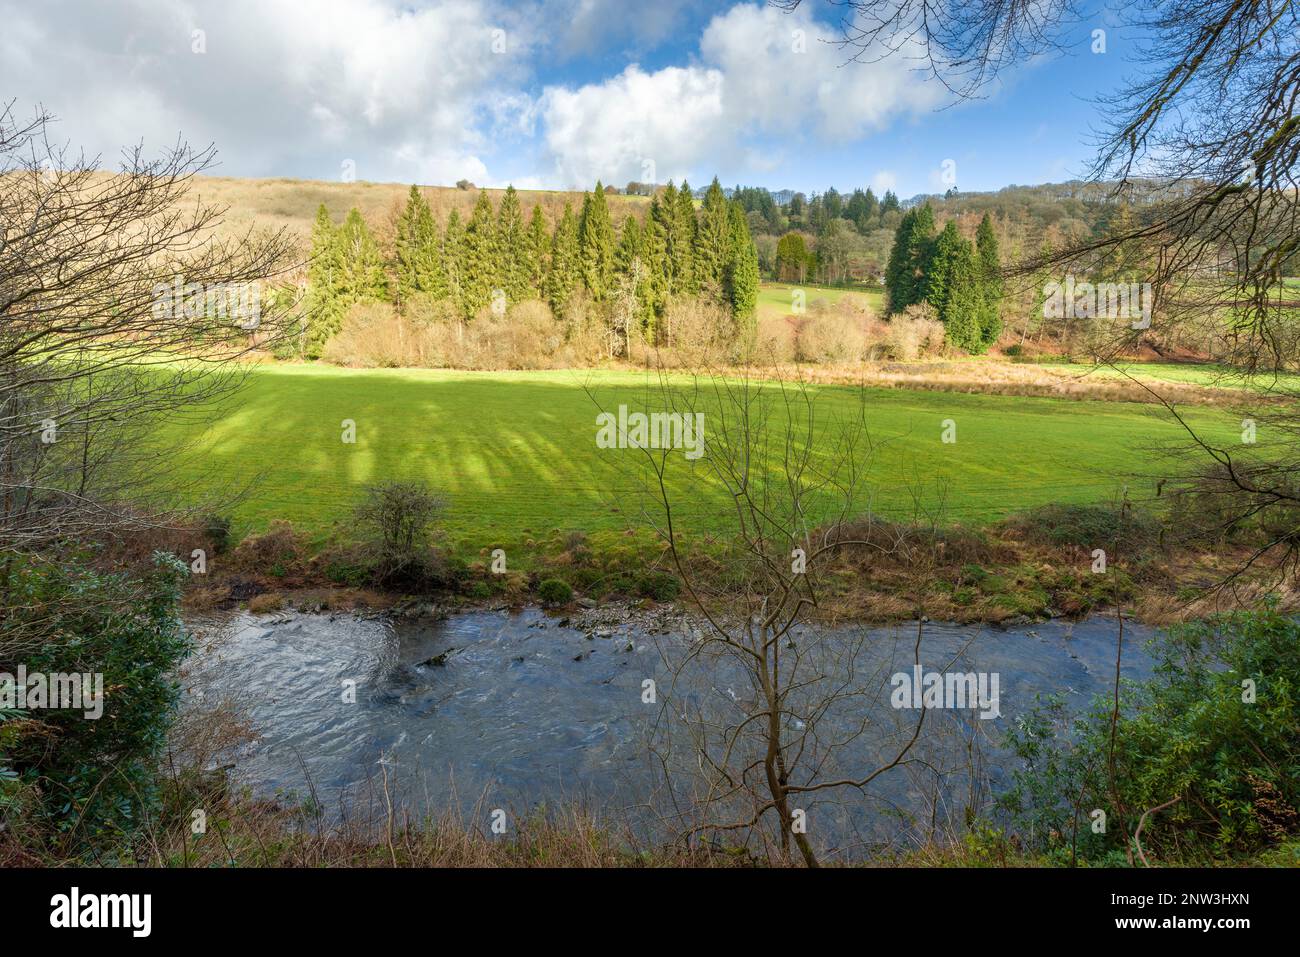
(741, 274)
(656, 266)
(961, 313)
(596, 244)
(990, 280)
(686, 225)
(323, 307)
(937, 281)
(512, 248)
(664, 215)
(713, 241)
(538, 249)
(629, 245)
(453, 258)
(908, 259)
(481, 272)
(362, 273)
(566, 266)
(419, 264)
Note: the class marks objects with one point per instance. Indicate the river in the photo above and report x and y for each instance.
(524, 709)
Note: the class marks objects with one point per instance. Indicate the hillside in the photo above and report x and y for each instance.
(292, 203)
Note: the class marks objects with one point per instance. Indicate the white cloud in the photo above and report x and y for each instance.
(282, 87)
(765, 81)
(411, 92)
(612, 130)
(883, 180)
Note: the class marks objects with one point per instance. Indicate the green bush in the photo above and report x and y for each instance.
(660, 586)
(1192, 734)
(217, 530)
(96, 778)
(555, 592)
(478, 590)
(1120, 531)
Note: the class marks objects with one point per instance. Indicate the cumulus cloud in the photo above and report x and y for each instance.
(280, 86)
(884, 180)
(635, 126)
(436, 90)
(762, 76)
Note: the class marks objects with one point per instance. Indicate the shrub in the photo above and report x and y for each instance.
(396, 518)
(698, 331)
(1190, 734)
(775, 341)
(217, 530)
(526, 337)
(913, 334)
(95, 780)
(555, 592)
(280, 550)
(832, 334)
(1121, 531)
(373, 336)
(660, 586)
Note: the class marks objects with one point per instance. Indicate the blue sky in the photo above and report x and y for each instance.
(548, 93)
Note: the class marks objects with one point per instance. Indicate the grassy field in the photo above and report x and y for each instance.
(1191, 373)
(775, 298)
(516, 452)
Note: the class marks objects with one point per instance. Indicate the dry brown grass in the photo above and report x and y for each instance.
(990, 376)
(292, 203)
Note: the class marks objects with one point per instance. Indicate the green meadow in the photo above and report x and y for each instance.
(516, 453)
(775, 298)
(1190, 373)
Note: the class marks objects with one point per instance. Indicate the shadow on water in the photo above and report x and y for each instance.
(519, 710)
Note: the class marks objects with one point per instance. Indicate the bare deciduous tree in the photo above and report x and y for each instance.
(798, 716)
(121, 308)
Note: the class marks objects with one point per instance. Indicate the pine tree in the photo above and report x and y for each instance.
(742, 274)
(937, 281)
(481, 273)
(419, 265)
(685, 225)
(596, 244)
(629, 246)
(323, 308)
(453, 258)
(713, 241)
(566, 265)
(537, 250)
(513, 270)
(362, 266)
(908, 259)
(960, 315)
(990, 280)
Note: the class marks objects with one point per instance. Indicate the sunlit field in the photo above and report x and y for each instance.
(516, 452)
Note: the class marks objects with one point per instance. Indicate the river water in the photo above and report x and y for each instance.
(520, 710)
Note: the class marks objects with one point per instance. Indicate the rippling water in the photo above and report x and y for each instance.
(516, 710)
